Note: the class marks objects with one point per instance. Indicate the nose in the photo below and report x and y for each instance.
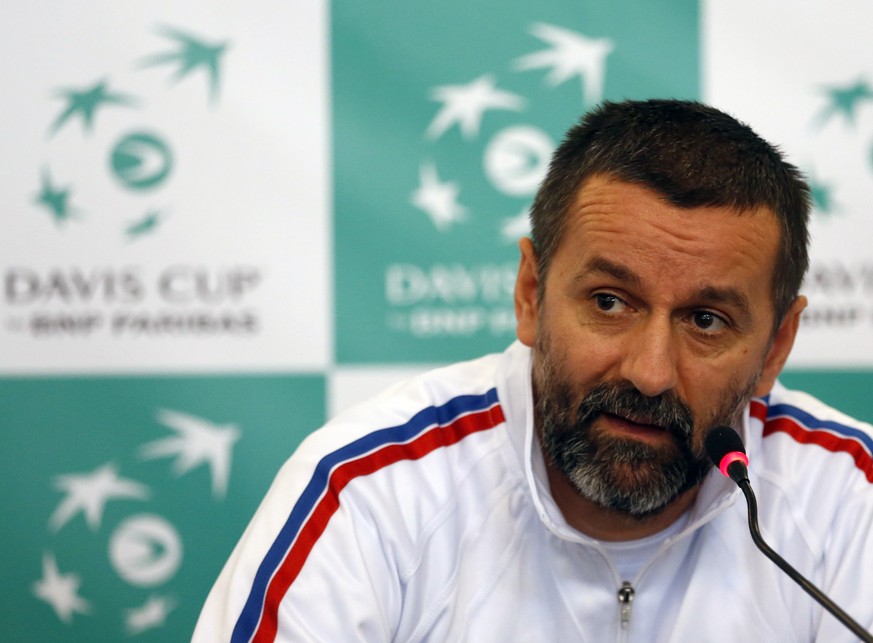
(650, 361)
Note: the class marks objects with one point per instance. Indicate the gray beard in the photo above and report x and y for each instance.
(625, 475)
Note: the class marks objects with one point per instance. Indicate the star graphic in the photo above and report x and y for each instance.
(514, 228)
(61, 591)
(148, 223)
(466, 104)
(844, 100)
(571, 54)
(151, 614)
(822, 196)
(191, 54)
(198, 441)
(439, 200)
(89, 493)
(86, 102)
(54, 198)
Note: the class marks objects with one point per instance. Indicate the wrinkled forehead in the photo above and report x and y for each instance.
(632, 226)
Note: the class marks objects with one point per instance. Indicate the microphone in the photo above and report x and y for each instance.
(725, 448)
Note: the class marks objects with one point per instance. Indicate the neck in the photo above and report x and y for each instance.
(607, 524)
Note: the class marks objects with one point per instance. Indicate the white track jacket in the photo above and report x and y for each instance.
(425, 515)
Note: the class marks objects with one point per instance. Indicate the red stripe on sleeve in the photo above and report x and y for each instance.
(758, 410)
(343, 474)
(824, 439)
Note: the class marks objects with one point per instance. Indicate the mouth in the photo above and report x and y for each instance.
(626, 427)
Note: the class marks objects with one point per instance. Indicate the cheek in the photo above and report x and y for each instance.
(590, 360)
(705, 383)
(704, 391)
(575, 362)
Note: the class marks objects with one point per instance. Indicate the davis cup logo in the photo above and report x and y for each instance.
(144, 549)
(128, 163)
(516, 159)
(140, 160)
(454, 299)
(841, 178)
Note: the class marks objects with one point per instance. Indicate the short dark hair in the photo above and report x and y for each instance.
(693, 155)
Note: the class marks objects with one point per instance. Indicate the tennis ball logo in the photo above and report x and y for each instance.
(517, 159)
(141, 161)
(145, 550)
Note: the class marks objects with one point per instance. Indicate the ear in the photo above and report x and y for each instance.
(781, 346)
(526, 310)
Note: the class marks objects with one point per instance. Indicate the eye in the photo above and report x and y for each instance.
(609, 303)
(708, 322)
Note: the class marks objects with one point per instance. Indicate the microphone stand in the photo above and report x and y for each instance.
(808, 587)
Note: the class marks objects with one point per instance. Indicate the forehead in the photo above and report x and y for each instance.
(700, 246)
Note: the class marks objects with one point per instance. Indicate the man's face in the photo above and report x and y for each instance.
(655, 324)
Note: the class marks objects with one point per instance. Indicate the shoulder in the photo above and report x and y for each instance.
(802, 434)
(405, 447)
(813, 464)
(454, 400)
(813, 477)
(393, 467)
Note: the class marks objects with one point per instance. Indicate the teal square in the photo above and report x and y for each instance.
(165, 523)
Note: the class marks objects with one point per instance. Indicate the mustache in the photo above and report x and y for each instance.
(666, 410)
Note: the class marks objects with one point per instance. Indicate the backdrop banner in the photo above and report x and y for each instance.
(228, 221)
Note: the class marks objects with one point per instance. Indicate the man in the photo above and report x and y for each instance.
(560, 491)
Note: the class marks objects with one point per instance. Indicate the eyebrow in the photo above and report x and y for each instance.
(600, 265)
(715, 295)
(706, 295)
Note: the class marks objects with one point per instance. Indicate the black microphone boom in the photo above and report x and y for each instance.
(726, 450)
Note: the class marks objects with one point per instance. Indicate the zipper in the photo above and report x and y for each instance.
(626, 592)
(625, 601)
